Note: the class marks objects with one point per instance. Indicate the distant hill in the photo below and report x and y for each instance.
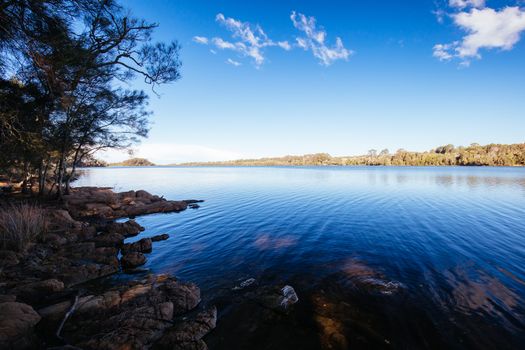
(448, 155)
(134, 162)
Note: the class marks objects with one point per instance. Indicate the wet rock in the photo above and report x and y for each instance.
(133, 259)
(289, 297)
(278, 299)
(192, 201)
(134, 316)
(141, 246)
(194, 206)
(161, 237)
(189, 332)
(246, 283)
(185, 296)
(17, 322)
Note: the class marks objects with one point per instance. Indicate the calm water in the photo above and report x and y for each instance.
(451, 241)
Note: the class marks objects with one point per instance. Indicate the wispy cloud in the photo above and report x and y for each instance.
(246, 39)
(315, 38)
(461, 4)
(485, 27)
(250, 40)
(200, 39)
(233, 63)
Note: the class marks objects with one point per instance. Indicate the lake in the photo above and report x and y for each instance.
(394, 257)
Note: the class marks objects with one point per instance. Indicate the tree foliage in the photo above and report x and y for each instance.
(64, 71)
(489, 155)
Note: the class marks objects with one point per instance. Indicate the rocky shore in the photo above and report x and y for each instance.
(48, 297)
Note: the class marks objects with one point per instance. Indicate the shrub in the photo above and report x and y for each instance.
(20, 224)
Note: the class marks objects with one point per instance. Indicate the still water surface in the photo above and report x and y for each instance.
(450, 240)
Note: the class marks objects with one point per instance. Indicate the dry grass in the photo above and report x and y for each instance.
(20, 224)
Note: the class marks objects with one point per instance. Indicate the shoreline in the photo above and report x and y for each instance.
(50, 294)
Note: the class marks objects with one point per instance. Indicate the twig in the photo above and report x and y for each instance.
(68, 314)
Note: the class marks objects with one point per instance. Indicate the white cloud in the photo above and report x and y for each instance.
(200, 40)
(233, 63)
(284, 45)
(315, 40)
(222, 44)
(461, 4)
(171, 153)
(248, 40)
(485, 28)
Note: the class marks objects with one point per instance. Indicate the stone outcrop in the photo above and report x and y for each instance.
(142, 246)
(82, 244)
(135, 316)
(85, 202)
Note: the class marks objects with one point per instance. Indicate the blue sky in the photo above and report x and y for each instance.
(404, 74)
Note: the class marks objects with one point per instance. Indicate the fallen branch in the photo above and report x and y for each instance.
(66, 316)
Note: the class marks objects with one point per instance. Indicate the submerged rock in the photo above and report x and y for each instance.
(188, 333)
(161, 237)
(289, 296)
(246, 283)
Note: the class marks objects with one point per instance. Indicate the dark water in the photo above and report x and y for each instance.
(380, 257)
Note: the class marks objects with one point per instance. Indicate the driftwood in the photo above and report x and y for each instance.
(66, 316)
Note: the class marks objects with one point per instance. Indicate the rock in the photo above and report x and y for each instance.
(289, 296)
(7, 297)
(143, 194)
(161, 237)
(192, 201)
(185, 296)
(8, 258)
(17, 322)
(245, 284)
(60, 219)
(189, 332)
(194, 206)
(109, 240)
(32, 292)
(272, 297)
(142, 246)
(133, 259)
(129, 228)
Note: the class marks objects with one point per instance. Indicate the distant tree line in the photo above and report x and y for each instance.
(473, 155)
(65, 68)
(133, 162)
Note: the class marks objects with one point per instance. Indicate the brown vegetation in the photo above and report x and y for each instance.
(20, 224)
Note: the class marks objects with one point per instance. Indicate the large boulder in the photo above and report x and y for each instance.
(17, 322)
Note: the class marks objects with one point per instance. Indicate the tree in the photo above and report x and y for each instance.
(76, 53)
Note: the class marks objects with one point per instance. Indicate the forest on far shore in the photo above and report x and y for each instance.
(448, 155)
